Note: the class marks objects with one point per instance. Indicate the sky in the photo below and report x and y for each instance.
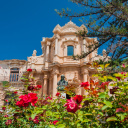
(23, 23)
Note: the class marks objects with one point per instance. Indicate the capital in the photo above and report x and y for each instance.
(85, 71)
(45, 77)
(57, 36)
(48, 43)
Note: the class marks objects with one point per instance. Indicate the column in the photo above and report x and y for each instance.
(85, 50)
(50, 86)
(45, 85)
(85, 79)
(2, 96)
(84, 46)
(47, 52)
(54, 84)
(56, 43)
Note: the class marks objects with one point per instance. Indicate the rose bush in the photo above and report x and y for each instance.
(102, 107)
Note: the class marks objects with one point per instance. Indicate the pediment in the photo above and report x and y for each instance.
(70, 27)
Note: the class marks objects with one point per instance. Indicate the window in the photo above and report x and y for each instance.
(14, 74)
(70, 50)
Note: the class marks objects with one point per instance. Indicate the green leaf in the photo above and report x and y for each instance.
(52, 126)
(104, 107)
(112, 119)
(61, 126)
(88, 114)
(33, 115)
(102, 95)
(109, 104)
(121, 116)
(86, 120)
(101, 113)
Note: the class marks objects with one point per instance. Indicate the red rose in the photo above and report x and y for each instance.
(21, 103)
(85, 85)
(30, 88)
(50, 98)
(55, 121)
(8, 122)
(119, 110)
(104, 84)
(125, 119)
(58, 94)
(29, 70)
(118, 78)
(71, 106)
(3, 108)
(78, 98)
(113, 90)
(124, 73)
(15, 92)
(39, 86)
(25, 98)
(6, 100)
(35, 120)
(33, 98)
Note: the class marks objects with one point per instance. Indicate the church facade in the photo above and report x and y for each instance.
(56, 59)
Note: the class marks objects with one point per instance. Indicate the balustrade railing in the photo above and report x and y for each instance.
(13, 82)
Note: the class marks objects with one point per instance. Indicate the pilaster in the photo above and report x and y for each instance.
(55, 73)
(85, 73)
(45, 85)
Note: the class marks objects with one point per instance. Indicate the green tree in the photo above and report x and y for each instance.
(107, 20)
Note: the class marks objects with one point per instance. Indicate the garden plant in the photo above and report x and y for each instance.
(105, 104)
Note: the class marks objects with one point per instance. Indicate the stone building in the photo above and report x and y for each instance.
(56, 59)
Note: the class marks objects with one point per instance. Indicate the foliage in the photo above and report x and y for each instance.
(107, 20)
(102, 107)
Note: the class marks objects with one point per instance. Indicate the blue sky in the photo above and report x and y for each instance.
(23, 23)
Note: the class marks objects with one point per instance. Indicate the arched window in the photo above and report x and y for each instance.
(70, 50)
(14, 74)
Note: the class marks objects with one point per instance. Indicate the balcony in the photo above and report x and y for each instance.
(13, 82)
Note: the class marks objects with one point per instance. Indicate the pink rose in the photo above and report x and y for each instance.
(123, 65)
(71, 106)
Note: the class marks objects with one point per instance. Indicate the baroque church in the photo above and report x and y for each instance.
(56, 59)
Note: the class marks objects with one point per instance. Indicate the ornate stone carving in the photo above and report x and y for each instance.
(34, 53)
(104, 53)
